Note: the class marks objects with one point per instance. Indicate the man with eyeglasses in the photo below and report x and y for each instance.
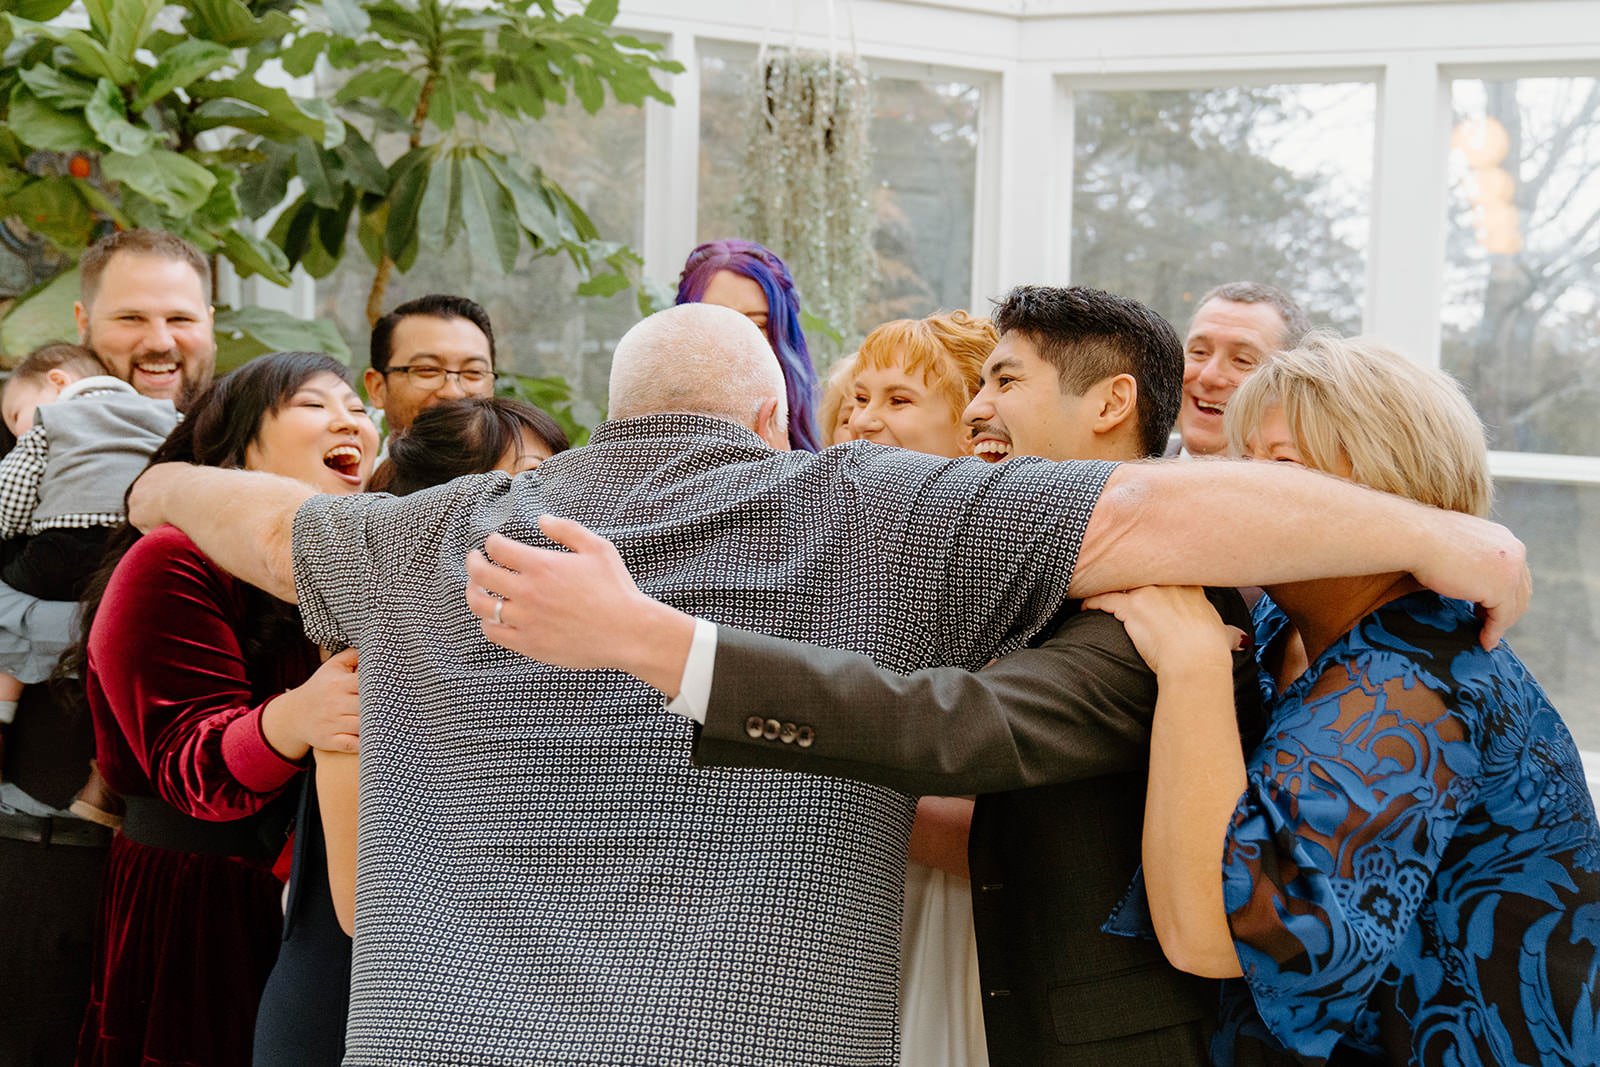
(427, 351)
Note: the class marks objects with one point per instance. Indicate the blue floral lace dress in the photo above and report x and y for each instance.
(1413, 872)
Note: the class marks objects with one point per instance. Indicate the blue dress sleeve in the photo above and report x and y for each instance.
(1351, 800)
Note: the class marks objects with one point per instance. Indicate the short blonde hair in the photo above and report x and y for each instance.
(1401, 427)
(948, 349)
(834, 392)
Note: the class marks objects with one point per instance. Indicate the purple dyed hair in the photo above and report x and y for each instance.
(783, 321)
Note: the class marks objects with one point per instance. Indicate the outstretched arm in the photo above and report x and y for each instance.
(242, 520)
(1239, 523)
(1075, 707)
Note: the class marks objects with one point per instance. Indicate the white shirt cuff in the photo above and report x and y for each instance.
(694, 692)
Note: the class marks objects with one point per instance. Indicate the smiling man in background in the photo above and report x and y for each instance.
(1235, 327)
(427, 351)
(144, 308)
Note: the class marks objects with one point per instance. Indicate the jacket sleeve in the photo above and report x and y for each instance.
(1077, 706)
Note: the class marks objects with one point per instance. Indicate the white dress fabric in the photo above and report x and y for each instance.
(941, 1003)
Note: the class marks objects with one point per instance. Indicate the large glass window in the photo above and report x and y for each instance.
(542, 326)
(1177, 191)
(1521, 319)
(1521, 330)
(1559, 636)
(924, 172)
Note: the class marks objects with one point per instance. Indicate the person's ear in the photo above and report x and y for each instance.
(771, 424)
(377, 388)
(80, 315)
(1119, 403)
(58, 378)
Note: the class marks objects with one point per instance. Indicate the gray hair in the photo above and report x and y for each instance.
(1296, 323)
(698, 358)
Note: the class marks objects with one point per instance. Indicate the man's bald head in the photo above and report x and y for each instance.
(699, 358)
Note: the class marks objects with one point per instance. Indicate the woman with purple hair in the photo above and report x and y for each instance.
(753, 281)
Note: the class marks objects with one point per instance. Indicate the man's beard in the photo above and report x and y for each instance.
(190, 384)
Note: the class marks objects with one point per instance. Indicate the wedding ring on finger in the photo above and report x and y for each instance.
(494, 616)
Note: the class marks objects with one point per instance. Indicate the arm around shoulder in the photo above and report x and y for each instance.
(1267, 523)
(242, 520)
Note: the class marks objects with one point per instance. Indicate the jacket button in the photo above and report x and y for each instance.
(999, 992)
(786, 733)
(770, 729)
(991, 887)
(804, 736)
(752, 726)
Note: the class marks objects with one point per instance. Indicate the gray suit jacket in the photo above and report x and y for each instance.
(1055, 738)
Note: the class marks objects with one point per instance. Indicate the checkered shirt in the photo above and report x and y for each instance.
(21, 473)
(543, 876)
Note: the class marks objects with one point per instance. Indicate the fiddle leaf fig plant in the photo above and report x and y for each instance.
(143, 117)
(141, 113)
(201, 118)
(437, 88)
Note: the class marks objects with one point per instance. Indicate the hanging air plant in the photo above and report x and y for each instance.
(808, 159)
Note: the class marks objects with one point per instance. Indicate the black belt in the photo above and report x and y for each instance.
(156, 823)
(52, 830)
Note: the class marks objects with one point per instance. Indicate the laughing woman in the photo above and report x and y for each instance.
(207, 700)
(1407, 868)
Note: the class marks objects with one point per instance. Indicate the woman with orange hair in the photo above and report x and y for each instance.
(914, 377)
(910, 383)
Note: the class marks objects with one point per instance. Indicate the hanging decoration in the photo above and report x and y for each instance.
(808, 162)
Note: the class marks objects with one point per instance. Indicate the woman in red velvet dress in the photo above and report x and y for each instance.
(207, 700)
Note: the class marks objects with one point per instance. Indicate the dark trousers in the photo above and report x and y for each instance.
(48, 900)
(49, 893)
(53, 564)
(303, 1009)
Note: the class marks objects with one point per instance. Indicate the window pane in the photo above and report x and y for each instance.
(924, 171)
(1177, 191)
(1559, 636)
(1522, 280)
(542, 327)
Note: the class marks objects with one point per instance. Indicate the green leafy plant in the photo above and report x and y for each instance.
(437, 87)
(171, 116)
(144, 117)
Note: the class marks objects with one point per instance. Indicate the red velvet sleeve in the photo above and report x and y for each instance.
(165, 659)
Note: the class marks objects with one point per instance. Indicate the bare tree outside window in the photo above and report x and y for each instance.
(1521, 329)
(1175, 191)
(1522, 302)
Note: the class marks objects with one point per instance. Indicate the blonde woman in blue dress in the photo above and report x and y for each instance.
(1406, 869)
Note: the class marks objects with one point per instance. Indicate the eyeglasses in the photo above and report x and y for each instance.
(431, 378)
